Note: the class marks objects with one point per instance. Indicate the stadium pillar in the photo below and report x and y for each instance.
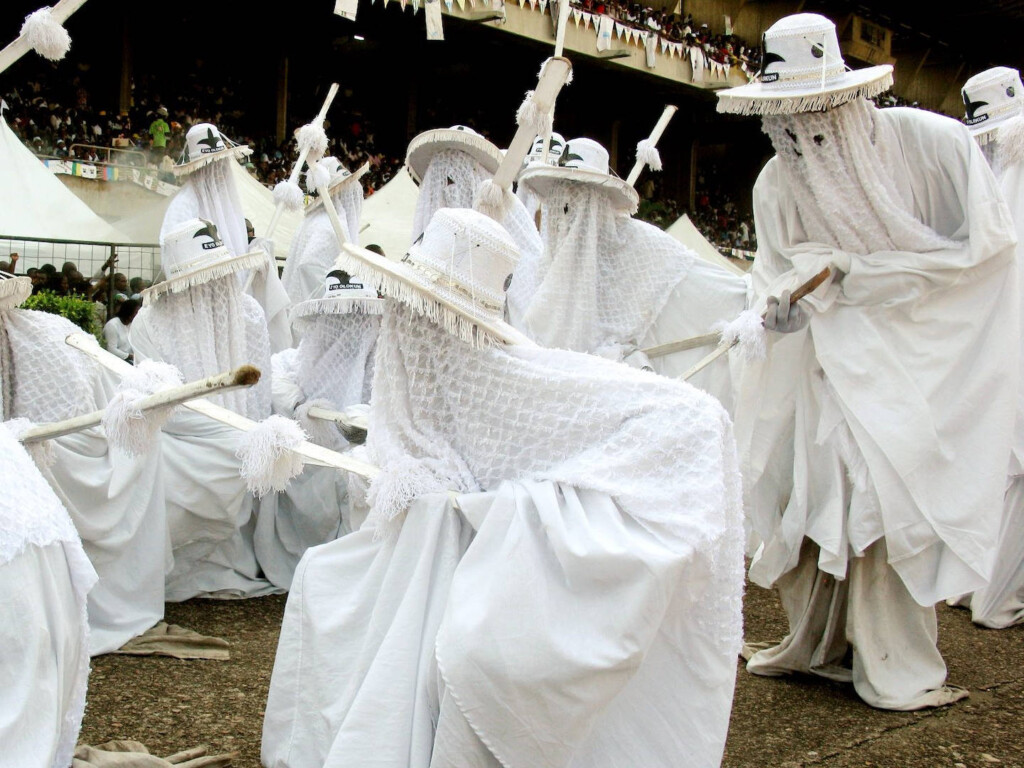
(124, 98)
(282, 99)
(691, 192)
(613, 145)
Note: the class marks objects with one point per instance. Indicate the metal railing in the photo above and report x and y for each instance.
(134, 158)
(133, 259)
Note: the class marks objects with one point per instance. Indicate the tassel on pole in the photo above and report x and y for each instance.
(647, 150)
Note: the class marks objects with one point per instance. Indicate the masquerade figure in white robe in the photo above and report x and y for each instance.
(995, 101)
(200, 321)
(116, 501)
(315, 246)
(875, 435)
(611, 285)
(44, 579)
(450, 164)
(209, 192)
(332, 368)
(529, 558)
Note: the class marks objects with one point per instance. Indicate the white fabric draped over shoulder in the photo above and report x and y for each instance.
(45, 577)
(115, 501)
(602, 583)
(910, 362)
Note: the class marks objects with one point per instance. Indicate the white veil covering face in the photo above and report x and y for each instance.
(116, 501)
(44, 579)
(209, 328)
(922, 321)
(562, 454)
(210, 193)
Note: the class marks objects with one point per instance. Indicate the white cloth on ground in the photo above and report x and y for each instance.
(116, 501)
(574, 448)
(923, 334)
(45, 577)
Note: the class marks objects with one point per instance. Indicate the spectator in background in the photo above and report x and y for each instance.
(158, 131)
(115, 332)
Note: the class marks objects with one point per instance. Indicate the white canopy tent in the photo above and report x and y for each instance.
(387, 215)
(686, 233)
(35, 204)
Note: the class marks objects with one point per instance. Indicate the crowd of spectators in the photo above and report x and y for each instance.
(723, 49)
(59, 120)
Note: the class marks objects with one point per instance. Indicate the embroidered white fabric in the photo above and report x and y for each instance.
(447, 416)
(837, 165)
(334, 361)
(450, 181)
(210, 193)
(315, 246)
(54, 381)
(207, 330)
(603, 277)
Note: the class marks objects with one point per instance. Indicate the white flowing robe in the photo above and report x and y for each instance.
(44, 579)
(115, 501)
(585, 613)
(909, 361)
(210, 512)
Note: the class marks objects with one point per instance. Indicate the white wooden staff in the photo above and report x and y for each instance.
(15, 50)
(244, 376)
(563, 22)
(670, 348)
(303, 154)
(353, 428)
(659, 129)
(798, 294)
(310, 452)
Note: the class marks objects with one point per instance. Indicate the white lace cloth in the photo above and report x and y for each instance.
(595, 466)
(315, 246)
(44, 580)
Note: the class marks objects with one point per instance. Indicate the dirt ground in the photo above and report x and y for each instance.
(789, 723)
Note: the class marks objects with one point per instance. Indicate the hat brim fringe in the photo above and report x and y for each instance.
(194, 165)
(14, 291)
(340, 306)
(540, 177)
(434, 309)
(256, 260)
(1011, 141)
(421, 151)
(792, 104)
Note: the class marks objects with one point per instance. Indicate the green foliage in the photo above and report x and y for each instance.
(657, 213)
(75, 308)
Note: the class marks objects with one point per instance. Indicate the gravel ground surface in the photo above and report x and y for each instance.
(170, 705)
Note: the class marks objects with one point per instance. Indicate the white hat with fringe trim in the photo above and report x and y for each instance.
(14, 290)
(990, 99)
(204, 144)
(802, 70)
(423, 148)
(586, 162)
(193, 254)
(344, 294)
(456, 275)
(340, 177)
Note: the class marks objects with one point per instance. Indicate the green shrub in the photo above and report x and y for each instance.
(76, 309)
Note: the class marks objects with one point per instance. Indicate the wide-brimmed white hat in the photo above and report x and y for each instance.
(204, 144)
(423, 148)
(802, 70)
(14, 290)
(340, 177)
(344, 294)
(193, 254)
(990, 99)
(456, 275)
(586, 162)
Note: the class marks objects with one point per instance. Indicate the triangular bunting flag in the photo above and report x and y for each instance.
(543, 5)
(462, 5)
(576, 16)
(448, 5)
(415, 7)
(619, 30)
(402, 3)
(664, 45)
(630, 34)
(533, 5)
(586, 21)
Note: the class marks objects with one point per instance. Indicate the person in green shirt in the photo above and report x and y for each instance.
(158, 130)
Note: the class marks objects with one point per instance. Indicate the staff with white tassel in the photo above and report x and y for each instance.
(309, 452)
(563, 21)
(647, 150)
(240, 378)
(44, 33)
(304, 151)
